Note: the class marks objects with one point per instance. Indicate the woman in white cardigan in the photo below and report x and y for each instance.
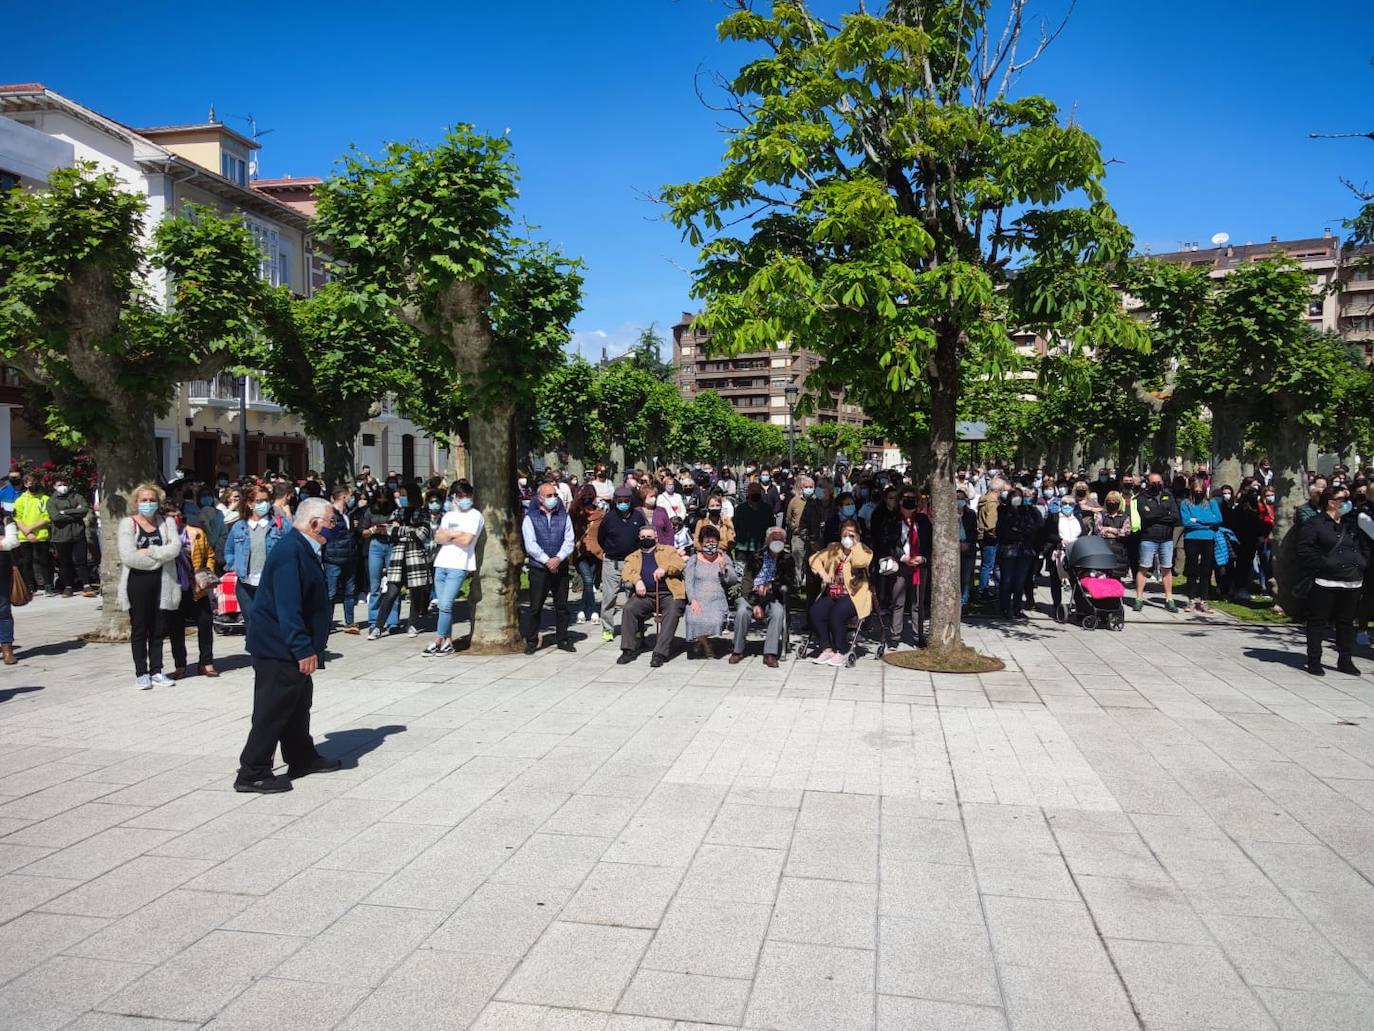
(148, 550)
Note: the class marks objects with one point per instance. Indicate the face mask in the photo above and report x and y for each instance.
(351, 504)
(908, 504)
(261, 508)
(963, 504)
(776, 547)
(670, 487)
(33, 488)
(206, 500)
(550, 502)
(808, 492)
(647, 543)
(714, 513)
(390, 484)
(1226, 495)
(62, 489)
(1269, 499)
(463, 504)
(147, 509)
(863, 493)
(1016, 501)
(710, 549)
(622, 506)
(521, 483)
(435, 506)
(403, 502)
(1003, 496)
(1112, 506)
(1346, 507)
(223, 484)
(764, 478)
(1054, 508)
(847, 511)
(848, 542)
(1155, 488)
(14, 480)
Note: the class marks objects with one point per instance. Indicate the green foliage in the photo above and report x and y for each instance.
(648, 354)
(1195, 437)
(824, 439)
(567, 401)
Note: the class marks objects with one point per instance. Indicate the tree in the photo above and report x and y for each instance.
(76, 318)
(639, 412)
(566, 409)
(828, 438)
(330, 358)
(888, 179)
(432, 229)
(648, 354)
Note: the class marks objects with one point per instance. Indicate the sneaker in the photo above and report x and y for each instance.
(824, 657)
(374, 634)
(412, 631)
(1203, 607)
(839, 659)
(162, 680)
(1138, 605)
(1170, 605)
(446, 648)
(582, 617)
(433, 649)
(143, 683)
(68, 593)
(269, 785)
(607, 635)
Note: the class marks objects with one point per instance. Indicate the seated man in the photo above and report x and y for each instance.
(766, 597)
(653, 575)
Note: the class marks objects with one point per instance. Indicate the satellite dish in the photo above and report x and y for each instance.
(1220, 239)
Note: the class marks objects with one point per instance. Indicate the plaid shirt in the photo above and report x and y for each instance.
(412, 558)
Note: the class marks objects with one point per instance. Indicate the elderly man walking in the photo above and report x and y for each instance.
(286, 638)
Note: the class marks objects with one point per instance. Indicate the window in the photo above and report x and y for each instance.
(283, 269)
(1314, 306)
(233, 168)
(369, 440)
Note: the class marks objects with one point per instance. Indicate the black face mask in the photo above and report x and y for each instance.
(909, 504)
(648, 544)
(1156, 488)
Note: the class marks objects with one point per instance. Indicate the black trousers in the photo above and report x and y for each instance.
(419, 604)
(175, 623)
(71, 573)
(1197, 567)
(542, 584)
(830, 621)
(145, 620)
(281, 713)
(245, 593)
(35, 562)
(1335, 605)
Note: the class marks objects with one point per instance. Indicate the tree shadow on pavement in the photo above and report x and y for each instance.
(9, 692)
(1296, 659)
(349, 745)
(56, 648)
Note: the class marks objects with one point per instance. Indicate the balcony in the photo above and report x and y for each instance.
(223, 392)
(11, 386)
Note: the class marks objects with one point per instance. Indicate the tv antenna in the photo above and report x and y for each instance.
(255, 134)
(1220, 239)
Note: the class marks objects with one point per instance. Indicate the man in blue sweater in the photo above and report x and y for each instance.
(286, 638)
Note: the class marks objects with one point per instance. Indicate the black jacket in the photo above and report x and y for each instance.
(889, 538)
(1330, 550)
(751, 523)
(1158, 515)
(1018, 526)
(618, 534)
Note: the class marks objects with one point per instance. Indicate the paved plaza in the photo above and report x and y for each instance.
(1169, 828)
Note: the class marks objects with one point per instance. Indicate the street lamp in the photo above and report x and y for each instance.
(791, 391)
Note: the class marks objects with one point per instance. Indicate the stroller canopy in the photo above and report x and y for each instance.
(1091, 553)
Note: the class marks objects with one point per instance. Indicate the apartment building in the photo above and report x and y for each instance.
(209, 164)
(1342, 298)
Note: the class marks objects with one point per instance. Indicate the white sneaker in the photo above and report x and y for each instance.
(143, 683)
(581, 617)
(162, 680)
(412, 631)
(824, 657)
(374, 634)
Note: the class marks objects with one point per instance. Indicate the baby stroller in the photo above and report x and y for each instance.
(228, 617)
(1095, 596)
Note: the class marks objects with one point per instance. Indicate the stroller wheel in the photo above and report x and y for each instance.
(1089, 622)
(1061, 613)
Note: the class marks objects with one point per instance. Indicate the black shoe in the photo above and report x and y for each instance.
(531, 647)
(625, 659)
(320, 765)
(566, 646)
(656, 661)
(68, 593)
(269, 785)
(1315, 668)
(1346, 666)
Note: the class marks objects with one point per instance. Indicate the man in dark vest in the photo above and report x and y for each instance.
(286, 638)
(548, 534)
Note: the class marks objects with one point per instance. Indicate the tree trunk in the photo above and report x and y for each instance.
(1165, 443)
(127, 459)
(921, 459)
(1288, 458)
(945, 627)
(339, 469)
(495, 592)
(1228, 444)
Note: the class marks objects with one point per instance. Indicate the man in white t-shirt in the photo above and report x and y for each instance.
(455, 560)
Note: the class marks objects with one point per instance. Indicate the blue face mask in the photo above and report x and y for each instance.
(1016, 500)
(147, 509)
(463, 504)
(1054, 508)
(403, 502)
(846, 510)
(1346, 507)
(261, 508)
(808, 492)
(622, 506)
(435, 506)
(550, 502)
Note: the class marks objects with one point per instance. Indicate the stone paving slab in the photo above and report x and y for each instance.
(1169, 828)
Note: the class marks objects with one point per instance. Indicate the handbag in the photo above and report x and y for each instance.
(20, 595)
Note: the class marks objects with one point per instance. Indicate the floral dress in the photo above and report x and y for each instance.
(706, 582)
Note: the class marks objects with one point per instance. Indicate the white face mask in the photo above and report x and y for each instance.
(848, 542)
(775, 547)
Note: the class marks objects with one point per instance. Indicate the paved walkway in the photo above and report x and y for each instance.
(1170, 828)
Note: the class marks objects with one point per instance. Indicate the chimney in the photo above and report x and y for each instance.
(1273, 239)
(1326, 233)
(1230, 251)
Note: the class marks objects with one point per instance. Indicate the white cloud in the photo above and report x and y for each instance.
(590, 343)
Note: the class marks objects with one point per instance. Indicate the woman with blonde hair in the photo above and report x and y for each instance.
(149, 545)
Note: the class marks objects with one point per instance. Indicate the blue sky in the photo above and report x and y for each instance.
(1205, 105)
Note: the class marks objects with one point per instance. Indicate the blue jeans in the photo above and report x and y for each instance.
(1013, 569)
(378, 555)
(6, 619)
(586, 568)
(989, 565)
(447, 584)
(345, 575)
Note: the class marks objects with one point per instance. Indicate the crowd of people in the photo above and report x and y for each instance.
(702, 548)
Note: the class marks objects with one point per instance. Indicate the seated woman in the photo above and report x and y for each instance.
(708, 572)
(843, 571)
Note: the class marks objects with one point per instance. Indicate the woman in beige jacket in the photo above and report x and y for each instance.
(845, 593)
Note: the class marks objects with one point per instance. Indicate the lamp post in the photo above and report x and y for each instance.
(791, 391)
